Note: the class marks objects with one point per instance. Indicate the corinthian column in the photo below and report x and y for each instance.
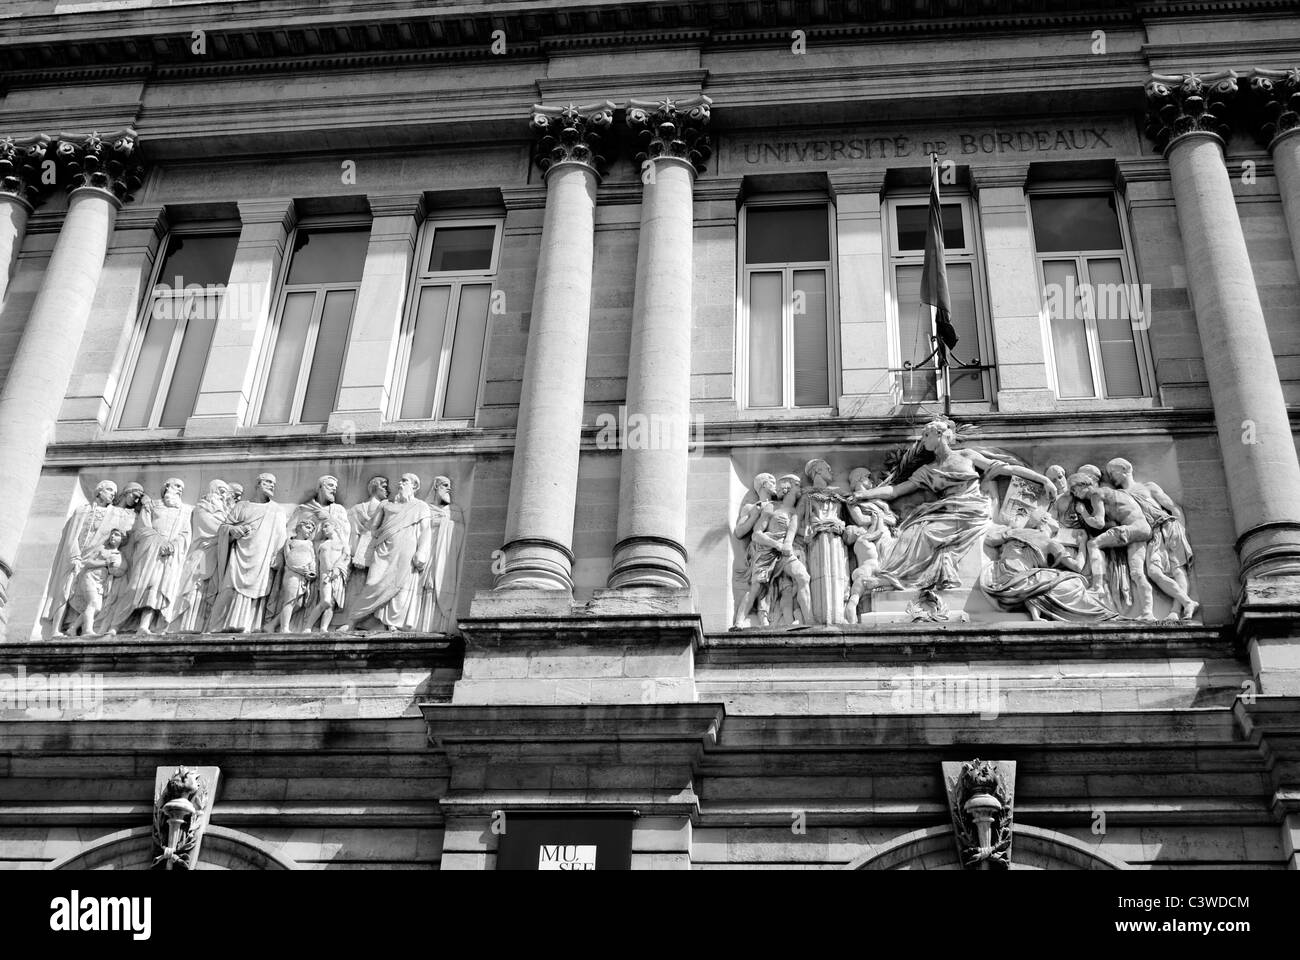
(22, 188)
(544, 482)
(650, 551)
(1187, 122)
(100, 172)
(1275, 115)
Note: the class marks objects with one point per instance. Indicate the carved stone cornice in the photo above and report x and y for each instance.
(20, 168)
(1274, 103)
(572, 134)
(672, 128)
(1179, 105)
(109, 162)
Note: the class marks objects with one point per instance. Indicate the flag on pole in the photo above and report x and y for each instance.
(934, 276)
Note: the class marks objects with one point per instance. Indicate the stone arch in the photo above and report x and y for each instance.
(1033, 848)
(222, 849)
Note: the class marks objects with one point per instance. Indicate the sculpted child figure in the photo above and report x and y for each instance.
(95, 581)
(870, 534)
(331, 572)
(1122, 526)
(299, 570)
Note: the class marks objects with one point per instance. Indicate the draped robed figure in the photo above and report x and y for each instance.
(398, 552)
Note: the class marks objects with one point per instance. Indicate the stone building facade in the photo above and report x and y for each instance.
(682, 536)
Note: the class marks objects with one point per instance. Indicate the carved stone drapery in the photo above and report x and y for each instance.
(572, 134)
(1274, 103)
(671, 128)
(110, 162)
(20, 168)
(1179, 105)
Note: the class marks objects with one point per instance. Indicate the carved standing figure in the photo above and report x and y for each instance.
(395, 560)
(248, 554)
(750, 511)
(1120, 525)
(935, 536)
(870, 534)
(776, 554)
(84, 531)
(822, 531)
(331, 575)
(297, 571)
(438, 585)
(159, 542)
(1169, 553)
(323, 506)
(198, 576)
(360, 522)
(99, 569)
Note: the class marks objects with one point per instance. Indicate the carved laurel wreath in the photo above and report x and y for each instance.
(981, 776)
(188, 785)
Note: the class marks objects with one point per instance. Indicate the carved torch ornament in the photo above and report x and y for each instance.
(178, 813)
(980, 798)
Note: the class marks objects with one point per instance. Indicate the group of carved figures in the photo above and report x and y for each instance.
(128, 562)
(1081, 547)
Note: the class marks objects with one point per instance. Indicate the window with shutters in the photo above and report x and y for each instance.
(169, 351)
(1095, 311)
(441, 354)
(303, 361)
(912, 325)
(787, 298)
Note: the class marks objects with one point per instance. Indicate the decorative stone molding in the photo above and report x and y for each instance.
(109, 162)
(1179, 105)
(182, 802)
(671, 128)
(981, 798)
(1274, 103)
(20, 168)
(572, 134)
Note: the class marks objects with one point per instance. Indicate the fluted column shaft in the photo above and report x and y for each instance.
(42, 366)
(1286, 167)
(1259, 454)
(544, 481)
(650, 551)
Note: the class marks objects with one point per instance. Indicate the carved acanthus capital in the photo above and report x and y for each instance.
(1179, 105)
(572, 134)
(672, 128)
(1274, 103)
(109, 162)
(20, 168)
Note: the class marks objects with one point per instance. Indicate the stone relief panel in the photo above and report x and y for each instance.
(368, 547)
(950, 527)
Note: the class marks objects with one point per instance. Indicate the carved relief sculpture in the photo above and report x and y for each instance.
(159, 542)
(396, 558)
(84, 531)
(871, 535)
(1119, 524)
(360, 525)
(981, 799)
(180, 810)
(764, 490)
(331, 575)
(297, 571)
(438, 584)
(99, 571)
(776, 559)
(1169, 553)
(248, 554)
(822, 532)
(198, 576)
(323, 506)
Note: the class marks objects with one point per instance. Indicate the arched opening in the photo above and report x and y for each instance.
(1033, 848)
(222, 849)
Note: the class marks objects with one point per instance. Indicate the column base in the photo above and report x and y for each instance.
(536, 564)
(1270, 550)
(1268, 625)
(649, 562)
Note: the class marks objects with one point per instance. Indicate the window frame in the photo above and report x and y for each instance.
(973, 254)
(141, 329)
(320, 291)
(787, 269)
(1081, 257)
(423, 278)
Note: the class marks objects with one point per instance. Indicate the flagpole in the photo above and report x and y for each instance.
(941, 349)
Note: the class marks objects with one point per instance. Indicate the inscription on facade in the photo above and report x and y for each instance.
(960, 143)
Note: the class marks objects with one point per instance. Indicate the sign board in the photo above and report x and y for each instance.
(565, 841)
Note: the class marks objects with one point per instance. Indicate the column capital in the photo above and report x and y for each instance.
(397, 205)
(108, 162)
(281, 210)
(1274, 104)
(1178, 105)
(572, 134)
(20, 169)
(676, 129)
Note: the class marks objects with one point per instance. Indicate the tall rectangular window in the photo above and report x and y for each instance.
(1090, 300)
(441, 363)
(786, 296)
(304, 360)
(913, 321)
(170, 349)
